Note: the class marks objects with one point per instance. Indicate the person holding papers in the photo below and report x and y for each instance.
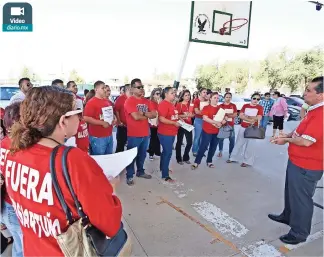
(210, 128)
(167, 130)
(98, 113)
(231, 113)
(183, 108)
(138, 110)
(250, 114)
(154, 147)
(32, 140)
(199, 104)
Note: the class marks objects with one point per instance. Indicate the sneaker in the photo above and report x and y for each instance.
(144, 175)
(169, 180)
(151, 158)
(130, 181)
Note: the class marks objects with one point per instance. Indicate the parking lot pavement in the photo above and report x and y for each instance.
(215, 212)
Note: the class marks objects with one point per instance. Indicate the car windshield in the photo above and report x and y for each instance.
(7, 92)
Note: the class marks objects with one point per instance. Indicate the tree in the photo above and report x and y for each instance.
(76, 77)
(26, 73)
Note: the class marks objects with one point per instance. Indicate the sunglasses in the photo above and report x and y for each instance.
(254, 98)
(140, 87)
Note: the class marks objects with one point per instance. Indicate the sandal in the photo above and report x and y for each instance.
(188, 162)
(229, 161)
(220, 154)
(181, 163)
(244, 165)
(194, 166)
(210, 165)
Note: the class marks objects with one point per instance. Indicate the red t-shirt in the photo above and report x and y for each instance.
(311, 128)
(230, 106)
(93, 109)
(197, 105)
(168, 111)
(182, 109)
(37, 206)
(5, 145)
(154, 106)
(137, 128)
(251, 110)
(119, 107)
(210, 112)
(82, 136)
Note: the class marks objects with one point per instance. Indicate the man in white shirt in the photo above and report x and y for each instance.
(24, 85)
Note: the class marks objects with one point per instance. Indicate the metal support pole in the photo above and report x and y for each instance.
(181, 66)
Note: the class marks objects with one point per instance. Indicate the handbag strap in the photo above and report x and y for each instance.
(85, 220)
(57, 188)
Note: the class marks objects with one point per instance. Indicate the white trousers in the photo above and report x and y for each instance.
(244, 149)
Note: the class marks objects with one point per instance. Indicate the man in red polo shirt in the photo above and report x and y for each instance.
(95, 113)
(138, 111)
(305, 167)
(121, 136)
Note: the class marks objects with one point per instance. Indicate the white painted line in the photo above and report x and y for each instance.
(221, 220)
(311, 238)
(261, 249)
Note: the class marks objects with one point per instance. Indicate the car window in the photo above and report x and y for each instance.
(290, 101)
(7, 92)
(298, 100)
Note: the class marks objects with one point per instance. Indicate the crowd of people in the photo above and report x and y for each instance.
(39, 119)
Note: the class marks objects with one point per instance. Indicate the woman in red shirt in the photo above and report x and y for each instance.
(250, 114)
(167, 130)
(231, 110)
(154, 147)
(184, 113)
(210, 129)
(8, 215)
(47, 117)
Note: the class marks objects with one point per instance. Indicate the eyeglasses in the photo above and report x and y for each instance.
(254, 98)
(140, 87)
(157, 93)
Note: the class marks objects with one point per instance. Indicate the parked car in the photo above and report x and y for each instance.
(6, 92)
(298, 96)
(294, 101)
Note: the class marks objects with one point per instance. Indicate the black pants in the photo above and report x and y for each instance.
(181, 133)
(154, 147)
(299, 191)
(121, 138)
(278, 122)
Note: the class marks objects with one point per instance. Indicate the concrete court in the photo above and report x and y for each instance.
(215, 212)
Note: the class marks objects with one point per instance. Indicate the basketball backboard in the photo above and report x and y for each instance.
(221, 23)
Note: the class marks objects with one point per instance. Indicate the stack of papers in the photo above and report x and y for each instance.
(220, 115)
(186, 126)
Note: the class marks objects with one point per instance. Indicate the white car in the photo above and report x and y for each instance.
(7, 91)
(239, 102)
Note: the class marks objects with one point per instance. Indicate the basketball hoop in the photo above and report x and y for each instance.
(224, 28)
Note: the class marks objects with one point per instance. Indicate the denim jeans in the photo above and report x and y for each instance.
(210, 140)
(197, 139)
(101, 145)
(231, 143)
(167, 145)
(9, 218)
(264, 122)
(141, 143)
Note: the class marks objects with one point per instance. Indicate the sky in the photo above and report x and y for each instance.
(112, 39)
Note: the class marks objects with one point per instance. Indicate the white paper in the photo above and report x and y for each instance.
(113, 164)
(108, 114)
(71, 142)
(252, 112)
(186, 126)
(154, 122)
(230, 111)
(202, 105)
(286, 119)
(220, 115)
